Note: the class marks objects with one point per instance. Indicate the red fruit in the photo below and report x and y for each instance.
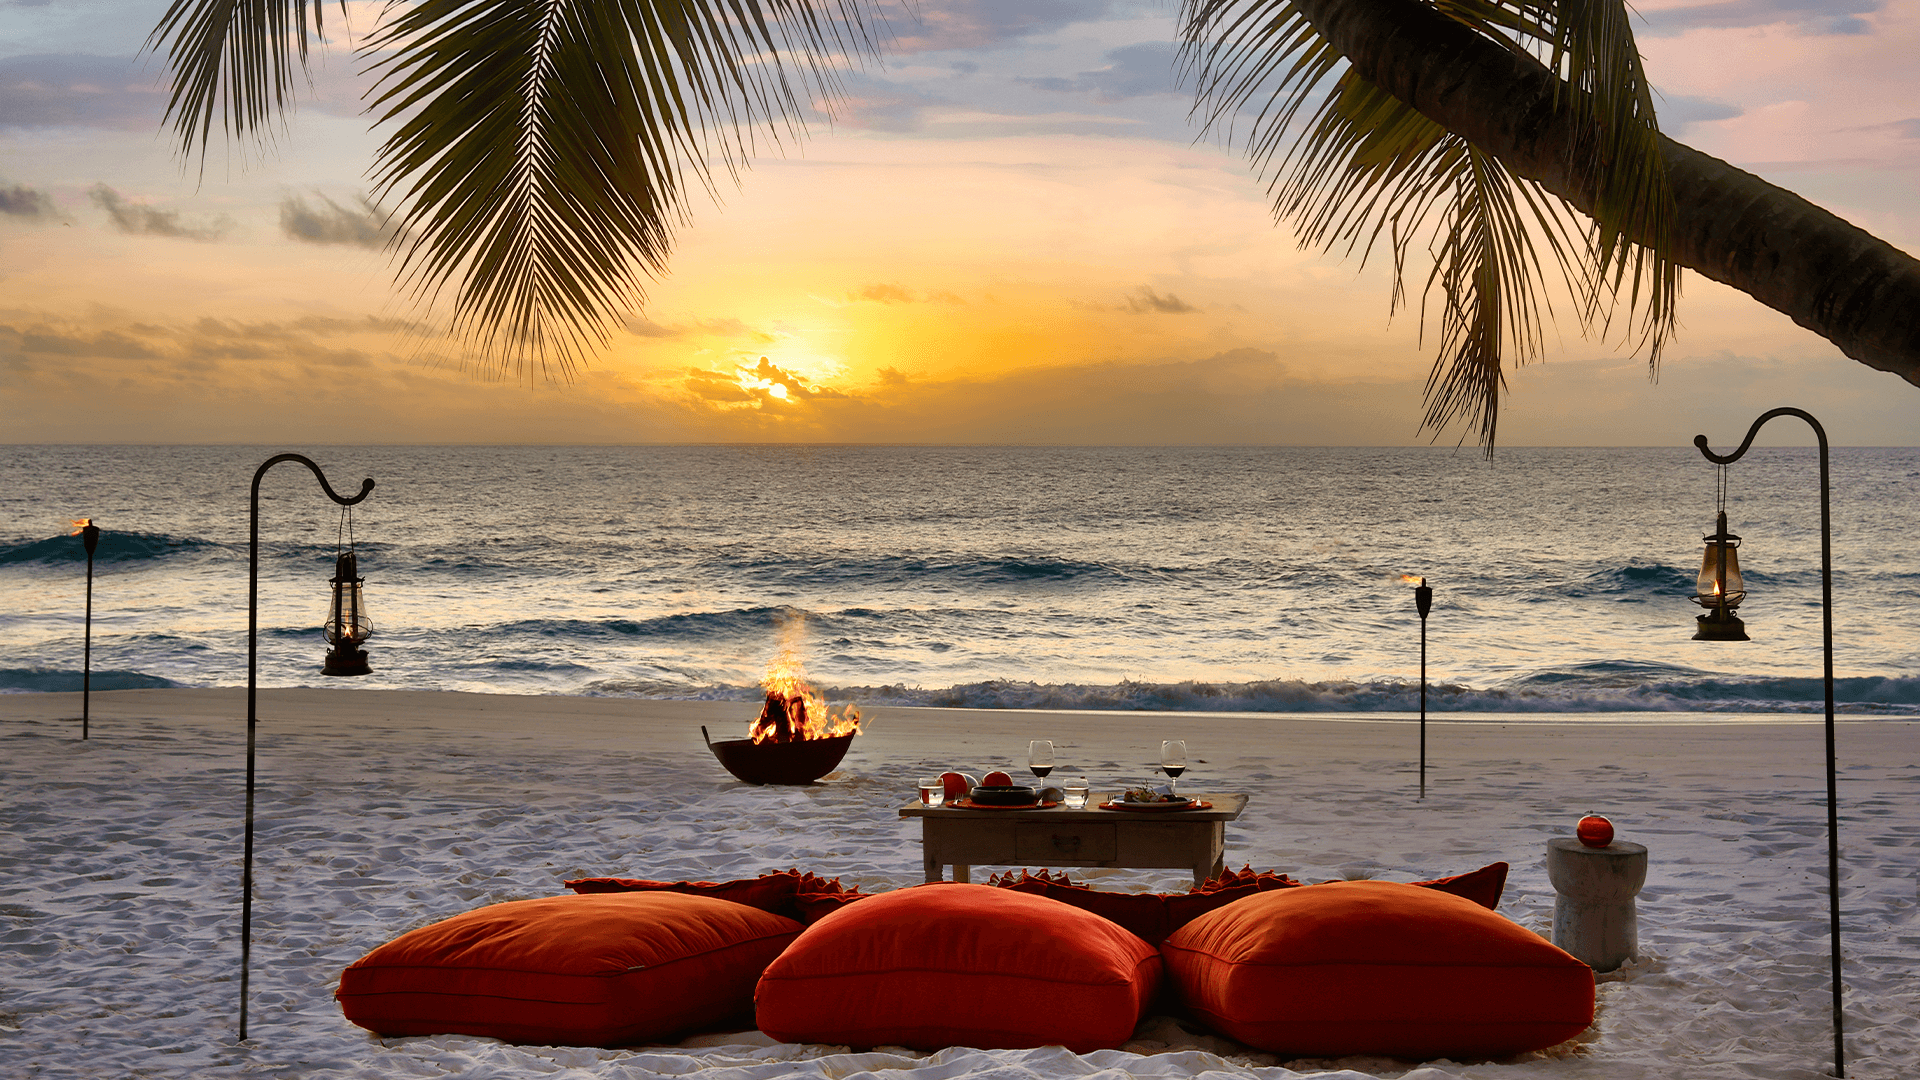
(1594, 831)
(958, 785)
(997, 778)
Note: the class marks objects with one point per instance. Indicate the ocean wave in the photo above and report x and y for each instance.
(38, 680)
(688, 626)
(117, 547)
(1605, 686)
(841, 571)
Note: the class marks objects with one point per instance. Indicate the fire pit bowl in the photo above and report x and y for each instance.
(801, 761)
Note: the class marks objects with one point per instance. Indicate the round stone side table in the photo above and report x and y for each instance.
(1593, 915)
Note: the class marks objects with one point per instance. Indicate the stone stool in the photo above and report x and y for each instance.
(1593, 916)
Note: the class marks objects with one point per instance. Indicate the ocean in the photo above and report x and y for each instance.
(1217, 579)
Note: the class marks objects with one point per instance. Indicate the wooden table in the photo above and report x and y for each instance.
(1187, 839)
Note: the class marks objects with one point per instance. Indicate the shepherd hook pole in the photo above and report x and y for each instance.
(253, 668)
(1826, 632)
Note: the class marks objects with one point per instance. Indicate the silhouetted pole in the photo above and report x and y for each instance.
(1423, 603)
(1826, 638)
(253, 668)
(90, 539)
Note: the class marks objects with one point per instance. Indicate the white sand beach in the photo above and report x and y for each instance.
(382, 811)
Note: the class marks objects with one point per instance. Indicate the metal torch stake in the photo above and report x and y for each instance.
(90, 539)
(1423, 603)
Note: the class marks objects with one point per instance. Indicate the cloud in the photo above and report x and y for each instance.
(885, 294)
(167, 353)
(138, 220)
(1811, 17)
(1148, 302)
(1678, 111)
(975, 24)
(766, 385)
(1135, 71)
(77, 90)
(728, 328)
(365, 226)
(894, 294)
(30, 204)
(641, 326)
(1899, 129)
(882, 108)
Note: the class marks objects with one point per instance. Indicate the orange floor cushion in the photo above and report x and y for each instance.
(953, 964)
(577, 970)
(1377, 967)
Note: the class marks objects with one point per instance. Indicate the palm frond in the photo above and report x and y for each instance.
(1365, 166)
(237, 60)
(542, 148)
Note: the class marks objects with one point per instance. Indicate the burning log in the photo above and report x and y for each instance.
(782, 718)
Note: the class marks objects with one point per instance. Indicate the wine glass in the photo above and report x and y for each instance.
(1173, 761)
(1040, 757)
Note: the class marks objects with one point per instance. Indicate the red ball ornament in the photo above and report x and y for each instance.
(1594, 831)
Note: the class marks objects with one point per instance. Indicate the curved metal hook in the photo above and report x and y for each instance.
(1820, 432)
(366, 486)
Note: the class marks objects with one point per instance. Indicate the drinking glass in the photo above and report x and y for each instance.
(1040, 757)
(1173, 761)
(933, 793)
(1076, 794)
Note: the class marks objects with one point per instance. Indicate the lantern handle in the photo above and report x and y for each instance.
(1785, 410)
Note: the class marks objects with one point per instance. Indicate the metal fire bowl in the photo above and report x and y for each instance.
(799, 762)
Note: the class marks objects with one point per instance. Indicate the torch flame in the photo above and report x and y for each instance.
(80, 526)
(795, 710)
(1412, 579)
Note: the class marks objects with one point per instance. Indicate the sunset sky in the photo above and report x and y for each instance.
(1011, 232)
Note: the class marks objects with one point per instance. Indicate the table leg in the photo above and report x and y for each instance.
(932, 866)
(960, 872)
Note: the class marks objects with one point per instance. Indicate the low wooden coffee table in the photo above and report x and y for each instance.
(1189, 839)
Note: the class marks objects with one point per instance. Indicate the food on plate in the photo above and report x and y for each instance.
(1148, 795)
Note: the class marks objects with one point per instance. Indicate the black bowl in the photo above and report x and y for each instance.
(1013, 795)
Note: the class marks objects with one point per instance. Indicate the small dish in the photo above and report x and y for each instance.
(1157, 807)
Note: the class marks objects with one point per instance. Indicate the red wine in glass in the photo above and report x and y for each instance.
(1040, 757)
(1173, 762)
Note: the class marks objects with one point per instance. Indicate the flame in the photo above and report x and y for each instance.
(1412, 579)
(80, 526)
(794, 709)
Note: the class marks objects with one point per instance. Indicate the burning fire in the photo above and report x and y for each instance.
(80, 526)
(1412, 579)
(795, 710)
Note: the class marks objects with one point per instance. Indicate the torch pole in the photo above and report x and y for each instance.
(90, 539)
(1423, 603)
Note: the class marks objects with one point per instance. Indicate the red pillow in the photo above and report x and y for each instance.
(953, 964)
(790, 893)
(1377, 967)
(1482, 886)
(569, 970)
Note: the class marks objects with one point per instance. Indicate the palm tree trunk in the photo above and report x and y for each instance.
(1838, 281)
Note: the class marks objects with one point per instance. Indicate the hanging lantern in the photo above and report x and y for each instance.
(1719, 588)
(348, 626)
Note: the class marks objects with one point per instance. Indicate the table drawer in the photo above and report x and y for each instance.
(1043, 844)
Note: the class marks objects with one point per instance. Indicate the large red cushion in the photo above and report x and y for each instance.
(1377, 967)
(952, 964)
(593, 970)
